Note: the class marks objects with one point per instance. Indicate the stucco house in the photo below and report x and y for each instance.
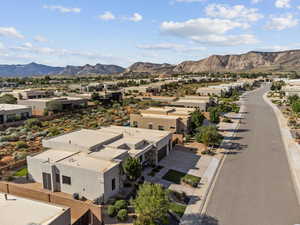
(88, 162)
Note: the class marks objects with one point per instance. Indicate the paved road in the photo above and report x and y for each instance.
(255, 186)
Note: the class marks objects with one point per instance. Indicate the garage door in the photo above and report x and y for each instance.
(162, 153)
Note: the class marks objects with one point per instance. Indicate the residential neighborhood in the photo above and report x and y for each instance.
(170, 112)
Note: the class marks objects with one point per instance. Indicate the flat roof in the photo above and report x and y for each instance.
(53, 99)
(22, 211)
(85, 138)
(108, 153)
(53, 155)
(148, 134)
(198, 101)
(7, 107)
(83, 160)
(161, 116)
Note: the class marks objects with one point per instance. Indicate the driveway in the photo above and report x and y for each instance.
(255, 186)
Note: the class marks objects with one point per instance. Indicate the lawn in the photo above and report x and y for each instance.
(178, 177)
(21, 173)
(177, 208)
(174, 176)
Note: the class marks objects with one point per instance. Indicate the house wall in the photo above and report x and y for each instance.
(38, 107)
(62, 219)
(143, 122)
(108, 176)
(200, 105)
(87, 183)
(17, 112)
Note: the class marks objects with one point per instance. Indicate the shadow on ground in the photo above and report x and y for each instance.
(209, 220)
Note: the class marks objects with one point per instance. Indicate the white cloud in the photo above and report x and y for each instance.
(282, 22)
(200, 26)
(255, 1)
(62, 9)
(209, 31)
(107, 16)
(2, 46)
(170, 46)
(239, 12)
(282, 3)
(136, 17)
(10, 32)
(227, 40)
(40, 38)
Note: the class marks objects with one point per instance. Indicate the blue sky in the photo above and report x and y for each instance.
(78, 32)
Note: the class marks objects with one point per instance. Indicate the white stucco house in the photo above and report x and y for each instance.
(88, 162)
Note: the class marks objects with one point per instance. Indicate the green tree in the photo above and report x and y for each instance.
(151, 204)
(296, 106)
(292, 99)
(132, 168)
(197, 119)
(214, 115)
(8, 99)
(208, 135)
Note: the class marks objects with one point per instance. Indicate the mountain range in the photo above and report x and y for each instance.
(253, 61)
(33, 69)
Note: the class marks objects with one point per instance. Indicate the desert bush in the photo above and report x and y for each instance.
(122, 215)
(112, 211)
(21, 144)
(120, 204)
(30, 123)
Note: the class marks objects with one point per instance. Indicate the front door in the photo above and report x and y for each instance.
(47, 181)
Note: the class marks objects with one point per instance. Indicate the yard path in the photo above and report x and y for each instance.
(255, 185)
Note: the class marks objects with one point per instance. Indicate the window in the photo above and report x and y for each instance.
(66, 180)
(161, 127)
(113, 184)
(150, 126)
(57, 178)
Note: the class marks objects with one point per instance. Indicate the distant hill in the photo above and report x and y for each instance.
(251, 61)
(152, 68)
(28, 70)
(34, 69)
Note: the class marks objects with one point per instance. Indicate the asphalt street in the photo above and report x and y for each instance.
(255, 185)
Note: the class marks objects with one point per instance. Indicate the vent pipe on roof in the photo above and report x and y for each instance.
(5, 196)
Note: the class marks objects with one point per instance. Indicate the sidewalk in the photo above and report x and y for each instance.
(291, 147)
(193, 212)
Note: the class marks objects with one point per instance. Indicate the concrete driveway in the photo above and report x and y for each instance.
(186, 162)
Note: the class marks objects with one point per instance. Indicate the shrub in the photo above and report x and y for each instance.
(53, 131)
(32, 123)
(122, 215)
(21, 144)
(112, 211)
(296, 106)
(191, 180)
(120, 204)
